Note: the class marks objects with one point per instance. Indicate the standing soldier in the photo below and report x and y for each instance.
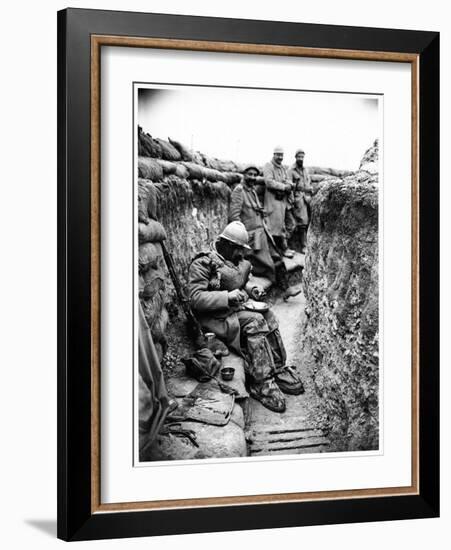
(302, 192)
(245, 206)
(277, 206)
(218, 288)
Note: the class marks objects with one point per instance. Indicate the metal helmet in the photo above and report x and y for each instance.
(236, 233)
(278, 149)
(249, 166)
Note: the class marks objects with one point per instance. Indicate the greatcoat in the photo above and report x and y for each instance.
(276, 197)
(302, 193)
(245, 206)
(254, 335)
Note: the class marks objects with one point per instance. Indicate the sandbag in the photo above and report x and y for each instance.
(185, 153)
(241, 167)
(231, 177)
(198, 158)
(221, 176)
(226, 165)
(149, 254)
(213, 175)
(181, 171)
(168, 151)
(211, 162)
(153, 284)
(318, 177)
(153, 232)
(147, 201)
(151, 147)
(168, 166)
(141, 151)
(196, 172)
(149, 169)
(143, 197)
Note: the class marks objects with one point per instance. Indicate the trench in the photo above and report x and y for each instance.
(295, 431)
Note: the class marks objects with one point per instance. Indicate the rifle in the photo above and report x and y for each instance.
(193, 324)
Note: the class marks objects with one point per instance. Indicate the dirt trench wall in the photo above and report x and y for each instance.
(341, 289)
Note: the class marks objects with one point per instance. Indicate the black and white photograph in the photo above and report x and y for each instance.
(257, 272)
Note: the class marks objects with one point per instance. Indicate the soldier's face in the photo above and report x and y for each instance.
(300, 158)
(278, 158)
(237, 254)
(250, 176)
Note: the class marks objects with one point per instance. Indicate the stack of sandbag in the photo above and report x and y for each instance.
(158, 159)
(318, 173)
(152, 286)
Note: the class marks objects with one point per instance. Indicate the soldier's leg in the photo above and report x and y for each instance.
(303, 237)
(259, 361)
(286, 376)
(275, 339)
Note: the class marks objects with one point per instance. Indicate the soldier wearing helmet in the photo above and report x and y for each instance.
(219, 284)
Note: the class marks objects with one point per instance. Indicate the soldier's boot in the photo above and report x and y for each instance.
(288, 380)
(283, 284)
(269, 395)
(285, 376)
(287, 252)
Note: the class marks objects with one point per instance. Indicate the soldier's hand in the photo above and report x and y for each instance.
(288, 187)
(237, 297)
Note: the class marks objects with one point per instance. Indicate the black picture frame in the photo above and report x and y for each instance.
(76, 519)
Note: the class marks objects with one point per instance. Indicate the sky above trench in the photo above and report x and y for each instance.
(334, 129)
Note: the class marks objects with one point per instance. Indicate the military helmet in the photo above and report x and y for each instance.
(236, 233)
(249, 167)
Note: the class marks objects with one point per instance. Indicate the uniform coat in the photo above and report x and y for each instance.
(245, 206)
(210, 279)
(276, 197)
(302, 193)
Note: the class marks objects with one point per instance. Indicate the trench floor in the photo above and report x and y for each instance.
(294, 431)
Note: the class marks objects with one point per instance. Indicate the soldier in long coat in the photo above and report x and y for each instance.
(245, 206)
(219, 286)
(302, 194)
(277, 205)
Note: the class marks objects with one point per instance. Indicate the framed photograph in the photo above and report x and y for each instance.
(248, 274)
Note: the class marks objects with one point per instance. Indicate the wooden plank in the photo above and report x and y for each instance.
(288, 444)
(287, 435)
(292, 451)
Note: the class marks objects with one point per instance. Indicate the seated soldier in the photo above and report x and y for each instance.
(218, 288)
